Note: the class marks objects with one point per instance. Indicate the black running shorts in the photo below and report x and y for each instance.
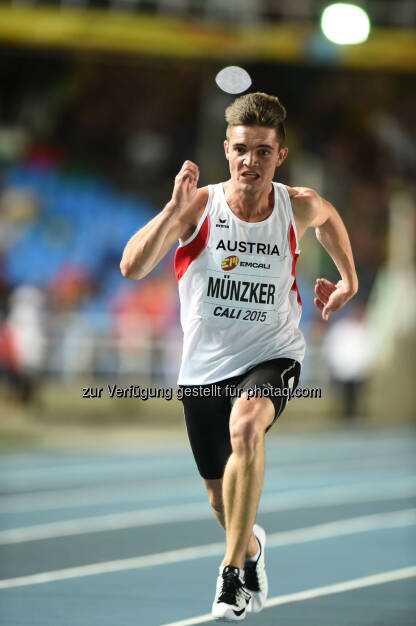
(207, 409)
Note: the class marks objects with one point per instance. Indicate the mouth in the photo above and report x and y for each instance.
(250, 176)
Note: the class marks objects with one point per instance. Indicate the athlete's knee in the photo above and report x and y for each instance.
(214, 491)
(248, 425)
(245, 435)
(217, 505)
(215, 500)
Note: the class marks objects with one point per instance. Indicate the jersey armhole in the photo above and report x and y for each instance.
(201, 219)
(291, 215)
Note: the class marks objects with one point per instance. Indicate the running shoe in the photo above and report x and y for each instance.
(231, 599)
(255, 575)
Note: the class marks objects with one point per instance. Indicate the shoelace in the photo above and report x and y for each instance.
(230, 587)
(251, 578)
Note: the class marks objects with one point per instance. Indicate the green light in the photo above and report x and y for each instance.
(344, 23)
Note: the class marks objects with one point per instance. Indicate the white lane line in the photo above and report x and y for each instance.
(317, 592)
(89, 495)
(105, 523)
(270, 503)
(350, 526)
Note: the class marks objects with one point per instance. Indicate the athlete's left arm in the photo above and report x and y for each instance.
(311, 210)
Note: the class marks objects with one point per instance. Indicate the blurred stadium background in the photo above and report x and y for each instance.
(100, 103)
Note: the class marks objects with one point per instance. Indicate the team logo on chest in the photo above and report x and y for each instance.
(229, 263)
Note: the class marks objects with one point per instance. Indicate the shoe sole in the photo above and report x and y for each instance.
(234, 618)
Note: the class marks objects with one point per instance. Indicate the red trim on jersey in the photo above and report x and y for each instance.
(292, 244)
(184, 255)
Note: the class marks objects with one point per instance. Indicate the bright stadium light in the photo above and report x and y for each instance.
(344, 23)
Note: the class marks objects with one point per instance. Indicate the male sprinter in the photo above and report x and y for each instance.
(240, 310)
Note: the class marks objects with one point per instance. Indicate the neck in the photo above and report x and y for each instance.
(251, 206)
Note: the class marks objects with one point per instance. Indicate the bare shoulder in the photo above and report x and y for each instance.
(307, 207)
(303, 198)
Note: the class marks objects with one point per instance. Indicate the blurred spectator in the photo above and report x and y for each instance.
(348, 350)
(23, 341)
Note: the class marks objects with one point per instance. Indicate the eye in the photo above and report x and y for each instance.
(239, 149)
(264, 152)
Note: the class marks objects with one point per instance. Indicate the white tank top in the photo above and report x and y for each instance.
(240, 304)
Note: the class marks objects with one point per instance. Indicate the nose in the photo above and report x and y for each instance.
(250, 158)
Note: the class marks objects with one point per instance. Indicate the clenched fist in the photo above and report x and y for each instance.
(185, 187)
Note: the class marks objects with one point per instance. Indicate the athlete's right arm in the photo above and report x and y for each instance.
(176, 221)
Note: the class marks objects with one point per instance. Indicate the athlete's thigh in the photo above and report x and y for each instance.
(272, 379)
(207, 420)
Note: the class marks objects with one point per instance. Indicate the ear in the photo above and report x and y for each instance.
(226, 148)
(282, 155)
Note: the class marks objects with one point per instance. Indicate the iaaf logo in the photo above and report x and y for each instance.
(229, 263)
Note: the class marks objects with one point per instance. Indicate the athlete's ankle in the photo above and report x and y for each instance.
(232, 564)
(253, 549)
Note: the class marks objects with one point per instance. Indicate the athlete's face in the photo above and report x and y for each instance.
(253, 154)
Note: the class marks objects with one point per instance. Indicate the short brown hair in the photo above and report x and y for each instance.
(257, 109)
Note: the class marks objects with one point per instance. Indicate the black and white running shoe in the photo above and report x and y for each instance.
(231, 599)
(255, 575)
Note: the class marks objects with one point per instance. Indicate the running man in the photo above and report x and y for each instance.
(240, 311)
